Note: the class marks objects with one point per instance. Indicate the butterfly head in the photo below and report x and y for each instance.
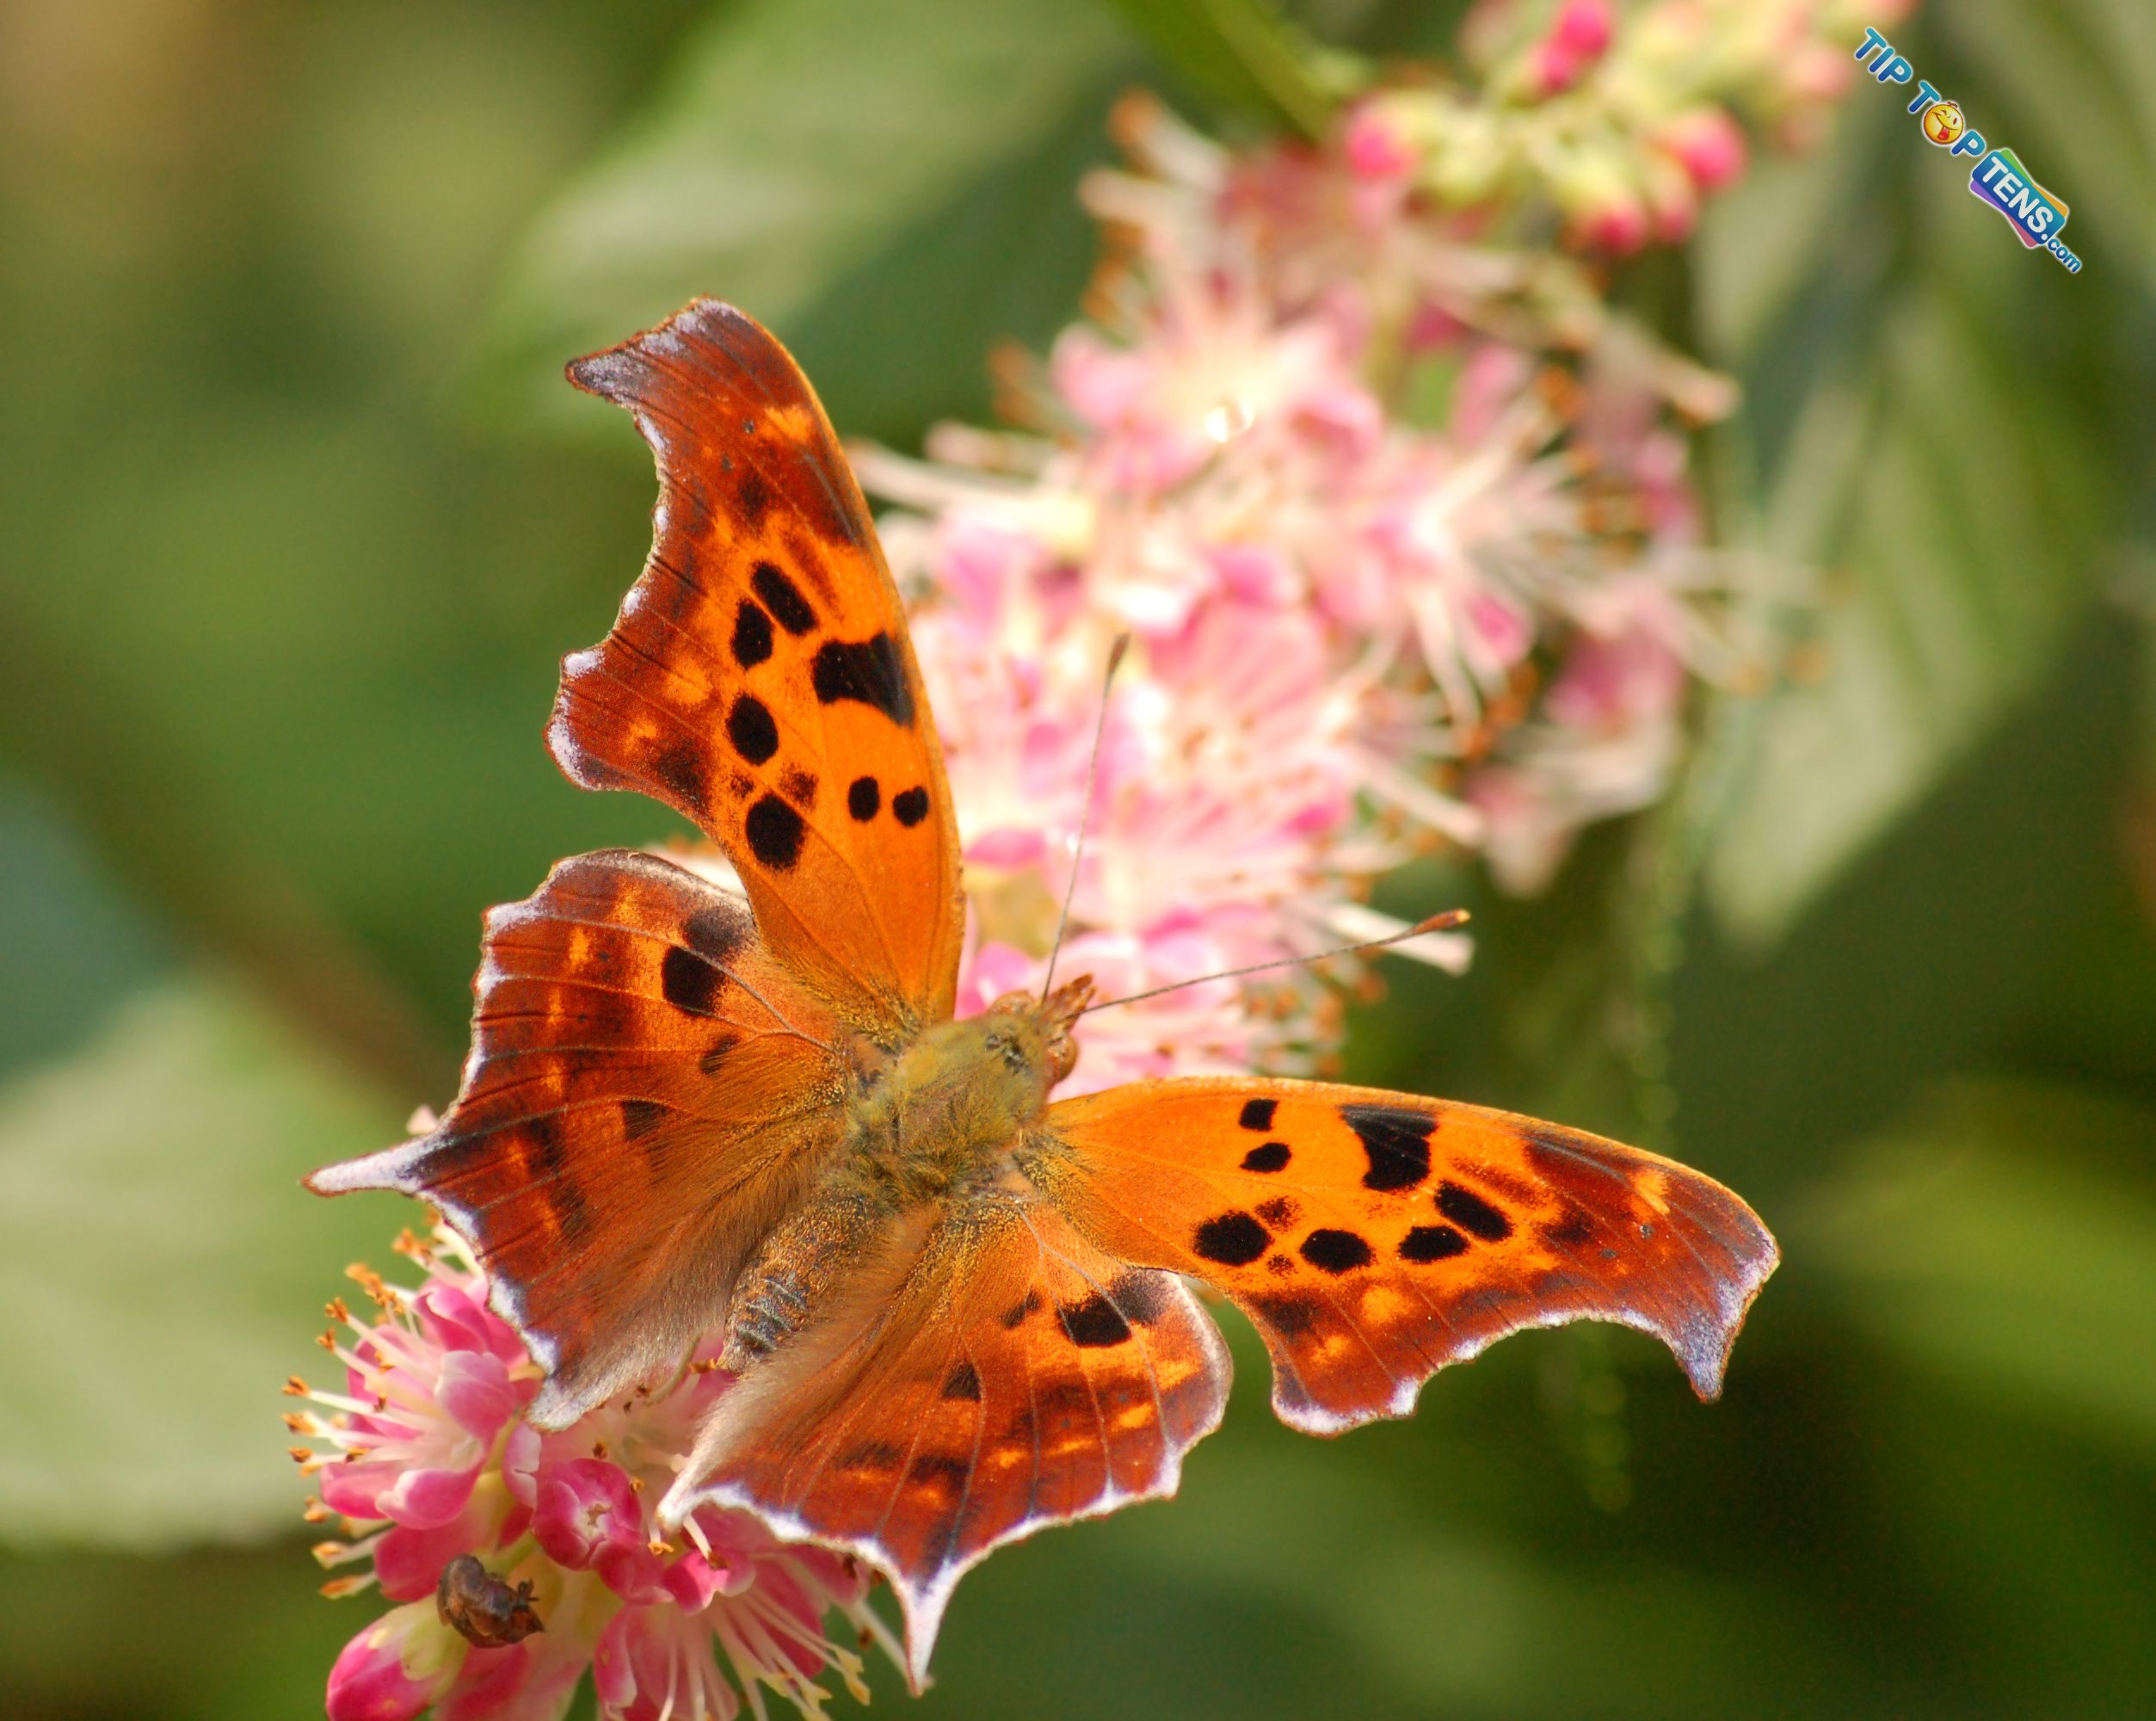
(1035, 1033)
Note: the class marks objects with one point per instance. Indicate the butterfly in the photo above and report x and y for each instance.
(956, 1311)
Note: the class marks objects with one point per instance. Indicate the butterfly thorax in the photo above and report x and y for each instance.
(936, 1123)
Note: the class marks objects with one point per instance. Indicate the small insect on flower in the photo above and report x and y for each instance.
(484, 1609)
(946, 1312)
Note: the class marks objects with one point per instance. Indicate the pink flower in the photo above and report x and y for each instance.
(1708, 144)
(1374, 146)
(428, 1458)
(1616, 222)
(1578, 38)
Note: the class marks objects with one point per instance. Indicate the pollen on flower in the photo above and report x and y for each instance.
(427, 1456)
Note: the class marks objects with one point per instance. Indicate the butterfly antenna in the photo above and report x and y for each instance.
(1085, 815)
(1437, 922)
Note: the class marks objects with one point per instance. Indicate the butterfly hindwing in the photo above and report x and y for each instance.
(1013, 1377)
(759, 678)
(1375, 1238)
(646, 1092)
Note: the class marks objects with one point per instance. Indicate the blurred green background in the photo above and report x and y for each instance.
(296, 519)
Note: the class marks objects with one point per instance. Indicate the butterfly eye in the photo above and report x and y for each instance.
(994, 1042)
(1013, 1055)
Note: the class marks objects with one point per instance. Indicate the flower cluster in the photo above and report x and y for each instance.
(517, 1559)
(1397, 520)
(1619, 117)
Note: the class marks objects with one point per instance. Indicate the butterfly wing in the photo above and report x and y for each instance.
(648, 1090)
(1013, 1377)
(760, 679)
(1374, 1237)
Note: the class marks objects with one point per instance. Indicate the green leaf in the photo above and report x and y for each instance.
(1939, 415)
(2001, 1241)
(1244, 56)
(1957, 498)
(162, 1267)
(799, 143)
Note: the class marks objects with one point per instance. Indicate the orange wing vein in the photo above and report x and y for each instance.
(760, 679)
(648, 1090)
(1375, 1238)
(1016, 1377)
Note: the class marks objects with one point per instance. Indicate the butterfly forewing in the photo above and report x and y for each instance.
(648, 1090)
(759, 679)
(1374, 1237)
(1015, 1378)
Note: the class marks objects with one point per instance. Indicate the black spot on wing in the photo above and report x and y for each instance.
(1292, 1317)
(1426, 1243)
(1397, 1141)
(1335, 1252)
(750, 727)
(689, 982)
(1256, 1114)
(863, 800)
(872, 1455)
(1278, 1213)
(550, 1154)
(1574, 1229)
(867, 671)
(678, 768)
(1016, 1315)
(715, 1054)
(1094, 1324)
(1140, 1296)
(1269, 1157)
(775, 833)
(910, 806)
(1231, 1239)
(752, 499)
(1472, 1213)
(640, 1117)
(752, 635)
(782, 598)
(963, 1382)
(717, 934)
(800, 786)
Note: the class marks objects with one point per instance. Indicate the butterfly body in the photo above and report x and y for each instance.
(955, 1309)
(940, 1123)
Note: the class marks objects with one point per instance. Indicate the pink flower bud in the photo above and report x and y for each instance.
(1708, 144)
(1620, 227)
(1374, 146)
(397, 1667)
(1579, 37)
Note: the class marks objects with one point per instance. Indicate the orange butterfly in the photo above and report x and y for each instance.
(956, 1313)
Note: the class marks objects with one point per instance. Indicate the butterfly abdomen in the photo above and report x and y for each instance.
(931, 1126)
